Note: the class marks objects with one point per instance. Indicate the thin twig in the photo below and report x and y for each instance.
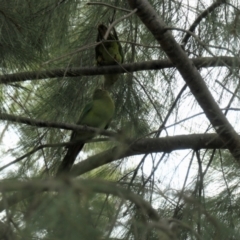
(205, 46)
(108, 5)
(203, 15)
(170, 110)
(72, 53)
(178, 208)
(40, 123)
(117, 21)
(64, 144)
(234, 94)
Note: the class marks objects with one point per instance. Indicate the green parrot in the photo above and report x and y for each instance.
(98, 113)
(108, 53)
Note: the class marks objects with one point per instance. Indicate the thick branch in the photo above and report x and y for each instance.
(133, 67)
(189, 73)
(167, 144)
(149, 145)
(97, 186)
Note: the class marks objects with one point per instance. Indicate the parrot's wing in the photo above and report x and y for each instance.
(121, 51)
(85, 111)
(119, 45)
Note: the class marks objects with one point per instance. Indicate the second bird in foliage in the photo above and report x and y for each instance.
(109, 52)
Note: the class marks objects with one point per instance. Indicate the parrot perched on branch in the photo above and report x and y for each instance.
(98, 113)
(108, 53)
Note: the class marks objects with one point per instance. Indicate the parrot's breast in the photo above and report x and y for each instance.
(103, 113)
(109, 54)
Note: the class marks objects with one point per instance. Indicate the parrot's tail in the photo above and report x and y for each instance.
(109, 80)
(69, 159)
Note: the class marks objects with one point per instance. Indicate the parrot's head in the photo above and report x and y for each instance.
(102, 29)
(100, 93)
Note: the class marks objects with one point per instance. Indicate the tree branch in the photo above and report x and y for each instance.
(40, 123)
(142, 146)
(149, 145)
(189, 73)
(109, 6)
(98, 186)
(220, 61)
